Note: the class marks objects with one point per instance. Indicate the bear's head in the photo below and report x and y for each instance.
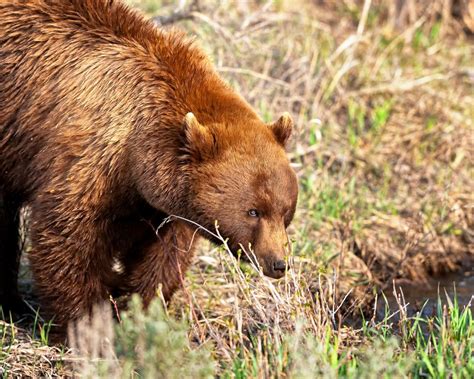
(241, 178)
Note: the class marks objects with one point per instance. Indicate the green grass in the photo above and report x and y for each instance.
(439, 347)
(151, 344)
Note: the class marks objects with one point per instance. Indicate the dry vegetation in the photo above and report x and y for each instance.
(384, 104)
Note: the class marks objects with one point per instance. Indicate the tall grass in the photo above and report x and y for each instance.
(261, 330)
(300, 341)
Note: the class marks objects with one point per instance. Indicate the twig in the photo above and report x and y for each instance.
(181, 13)
(245, 71)
(400, 86)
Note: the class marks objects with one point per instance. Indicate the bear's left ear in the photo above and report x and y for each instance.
(199, 140)
(282, 128)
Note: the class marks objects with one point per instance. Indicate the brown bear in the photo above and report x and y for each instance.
(108, 126)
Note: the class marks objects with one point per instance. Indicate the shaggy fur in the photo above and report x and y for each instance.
(96, 137)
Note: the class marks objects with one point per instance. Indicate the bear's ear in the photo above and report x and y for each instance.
(199, 140)
(282, 128)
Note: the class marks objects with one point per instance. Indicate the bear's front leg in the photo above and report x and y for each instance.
(70, 260)
(162, 260)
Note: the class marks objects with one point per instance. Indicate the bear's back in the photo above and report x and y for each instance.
(76, 75)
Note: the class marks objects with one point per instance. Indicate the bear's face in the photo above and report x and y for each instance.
(243, 181)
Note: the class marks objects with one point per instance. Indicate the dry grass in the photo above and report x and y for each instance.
(384, 105)
(21, 355)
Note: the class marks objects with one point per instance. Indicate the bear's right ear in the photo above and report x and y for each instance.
(282, 128)
(199, 140)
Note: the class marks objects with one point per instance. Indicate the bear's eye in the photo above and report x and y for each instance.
(253, 213)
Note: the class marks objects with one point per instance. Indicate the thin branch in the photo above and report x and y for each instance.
(181, 13)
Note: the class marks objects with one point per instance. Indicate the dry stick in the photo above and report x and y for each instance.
(181, 13)
(348, 64)
(328, 68)
(249, 19)
(400, 86)
(218, 28)
(258, 75)
(350, 44)
(193, 12)
(363, 17)
(310, 84)
(259, 20)
(262, 26)
(116, 310)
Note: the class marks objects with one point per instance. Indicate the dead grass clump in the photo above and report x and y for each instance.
(22, 355)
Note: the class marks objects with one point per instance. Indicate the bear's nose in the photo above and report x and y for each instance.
(279, 265)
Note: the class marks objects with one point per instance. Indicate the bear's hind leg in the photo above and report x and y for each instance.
(10, 300)
(162, 260)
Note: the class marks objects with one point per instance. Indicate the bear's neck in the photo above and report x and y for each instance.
(215, 102)
(201, 91)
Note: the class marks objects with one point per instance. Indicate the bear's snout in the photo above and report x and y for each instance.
(278, 268)
(271, 248)
(279, 265)
(274, 267)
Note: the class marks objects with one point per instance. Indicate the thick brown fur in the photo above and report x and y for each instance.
(96, 138)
